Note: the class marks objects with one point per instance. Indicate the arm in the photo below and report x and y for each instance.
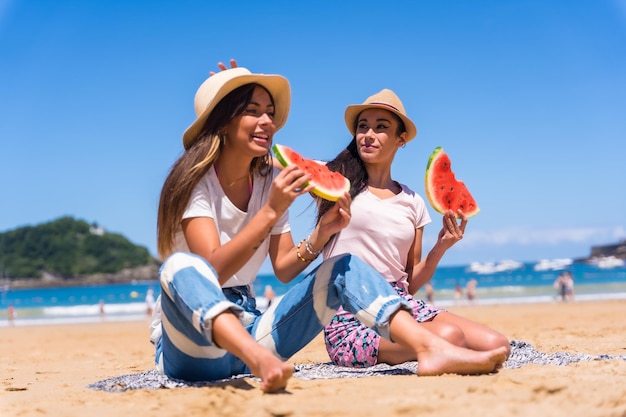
(284, 253)
(422, 272)
(203, 239)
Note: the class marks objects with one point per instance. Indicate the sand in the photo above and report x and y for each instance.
(46, 370)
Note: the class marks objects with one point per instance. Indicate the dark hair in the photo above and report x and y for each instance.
(228, 108)
(349, 164)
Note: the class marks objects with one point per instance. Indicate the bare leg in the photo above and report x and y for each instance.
(229, 334)
(476, 335)
(437, 356)
(394, 353)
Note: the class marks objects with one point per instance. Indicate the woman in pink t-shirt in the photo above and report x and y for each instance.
(385, 230)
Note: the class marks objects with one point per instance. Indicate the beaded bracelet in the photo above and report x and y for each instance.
(309, 247)
(302, 258)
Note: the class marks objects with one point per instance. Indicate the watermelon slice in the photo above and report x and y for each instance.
(443, 190)
(328, 184)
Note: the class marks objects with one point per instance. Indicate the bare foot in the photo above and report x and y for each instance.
(447, 358)
(232, 336)
(274, 373)
(277, 378)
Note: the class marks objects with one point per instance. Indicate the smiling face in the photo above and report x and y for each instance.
(377, 136)
(252, 131)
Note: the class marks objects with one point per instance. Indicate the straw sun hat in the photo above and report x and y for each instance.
(217, 86)
(384, 99)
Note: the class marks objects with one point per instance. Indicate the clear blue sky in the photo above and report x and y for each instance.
(527, 97)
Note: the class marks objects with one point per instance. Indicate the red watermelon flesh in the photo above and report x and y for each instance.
(329, 185)
(443, 190)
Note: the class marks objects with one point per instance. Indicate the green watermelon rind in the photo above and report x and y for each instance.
(279, 155)
(428, 186)
(319, 190)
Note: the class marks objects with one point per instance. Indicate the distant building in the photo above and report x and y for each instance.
(618, 250)
(96, 230)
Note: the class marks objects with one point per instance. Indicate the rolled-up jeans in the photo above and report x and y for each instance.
(191, 297)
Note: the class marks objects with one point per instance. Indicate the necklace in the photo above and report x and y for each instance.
(217, 174)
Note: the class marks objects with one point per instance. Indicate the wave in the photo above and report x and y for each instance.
(90, 313)
(94, 310)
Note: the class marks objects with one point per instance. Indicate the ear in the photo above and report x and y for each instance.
(402, 140)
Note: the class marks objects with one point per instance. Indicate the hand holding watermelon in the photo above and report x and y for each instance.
(329, 185)
(444, 191)
(452, 232)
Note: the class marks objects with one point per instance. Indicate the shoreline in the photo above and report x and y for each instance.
(90, 313)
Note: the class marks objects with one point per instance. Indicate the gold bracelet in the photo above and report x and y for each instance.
(302, 258)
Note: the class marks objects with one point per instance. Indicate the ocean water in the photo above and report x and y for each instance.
(505, 282)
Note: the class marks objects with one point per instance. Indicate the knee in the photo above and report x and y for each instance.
(173, 263)
(452, 333)
(496, 341)
(331, 275)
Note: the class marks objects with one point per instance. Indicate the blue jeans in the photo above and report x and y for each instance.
(191, 298)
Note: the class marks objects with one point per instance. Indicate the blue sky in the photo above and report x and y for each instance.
(527, 97)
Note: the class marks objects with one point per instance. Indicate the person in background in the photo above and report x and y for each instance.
(458, 293)
(470, 290)
(101, 309)
(223, 210)
(564, 284)
(392, 244)
(11, 315)
(150, 302)
(269, 294)
(430, 293)
(569, 285)
(559, 286)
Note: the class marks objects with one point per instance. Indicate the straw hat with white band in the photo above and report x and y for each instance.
(217, 86)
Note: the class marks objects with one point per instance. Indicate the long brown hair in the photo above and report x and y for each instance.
(194, 163)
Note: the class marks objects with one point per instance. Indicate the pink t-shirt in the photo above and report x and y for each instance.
(381, 231)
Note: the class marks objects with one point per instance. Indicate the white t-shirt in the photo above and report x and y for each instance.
(208, 200)
(381, 231)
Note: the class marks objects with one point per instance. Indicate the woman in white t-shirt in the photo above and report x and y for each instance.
(223, 210)
(385, 230)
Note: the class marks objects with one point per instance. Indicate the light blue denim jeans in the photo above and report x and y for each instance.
(191, 297)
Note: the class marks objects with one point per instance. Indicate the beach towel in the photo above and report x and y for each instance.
(522, 354)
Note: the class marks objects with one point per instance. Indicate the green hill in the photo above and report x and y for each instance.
(67, 248)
